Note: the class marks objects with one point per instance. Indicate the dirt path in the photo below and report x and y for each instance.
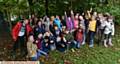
(5, 41)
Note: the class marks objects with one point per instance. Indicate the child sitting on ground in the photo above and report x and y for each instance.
(39, 44)
(56, 31)
(32, 49)
(61, 43)
(70, 40)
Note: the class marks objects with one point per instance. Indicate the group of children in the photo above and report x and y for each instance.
(38, 36)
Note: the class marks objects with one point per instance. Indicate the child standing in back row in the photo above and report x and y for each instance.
(109, 31)
(79, 36)
(92, 30)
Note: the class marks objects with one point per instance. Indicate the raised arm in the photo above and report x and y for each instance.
(72, 14)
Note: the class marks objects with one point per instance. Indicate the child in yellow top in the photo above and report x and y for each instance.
(92, 25)
(92, 30)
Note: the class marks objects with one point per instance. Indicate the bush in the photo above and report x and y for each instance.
(114, 10)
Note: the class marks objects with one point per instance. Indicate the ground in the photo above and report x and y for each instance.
(84, 55)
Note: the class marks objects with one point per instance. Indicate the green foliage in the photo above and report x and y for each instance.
(114, 10)
(57, 7)
(86, 55)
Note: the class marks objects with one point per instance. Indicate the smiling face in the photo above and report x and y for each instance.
(39, 23)
(81, 17)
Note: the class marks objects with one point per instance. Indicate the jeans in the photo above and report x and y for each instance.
(91, 36)
(78, 44)
(35, 58)
(41, 52)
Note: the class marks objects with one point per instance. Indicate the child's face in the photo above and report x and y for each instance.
(47, 34)
(31, 39)
(40, 36)
(58, 39)
(56, 27)
(110, 20)
(39, 23)
(95, 13)
(52, 18)
(26, 21)
(67, 31)
(76, 17)
(57, 17)
(80, 17)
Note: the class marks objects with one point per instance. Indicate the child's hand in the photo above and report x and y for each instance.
(46, 44)
(88, 12)
(63, 45)
(14, 38)
(51, 41)
(65, 13)
(36, 41)
(64, 40)
(72, 12)
(69, 42)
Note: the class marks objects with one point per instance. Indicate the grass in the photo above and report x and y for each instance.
(86, 55)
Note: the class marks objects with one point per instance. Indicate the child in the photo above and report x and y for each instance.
(79, 36)
(70, 39)
(46, 44)
(56, 31)
(39, 44)
(39, 28)
(109, 31)
(61, 44)
(32, 48)
(82, 22)
(51, 40)
(57, 22)
(76, 21)
(20, 33)
(92, 30)
(101, 25)
(69, 23)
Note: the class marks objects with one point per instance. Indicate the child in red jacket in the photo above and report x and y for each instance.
(79, 37)
(20, 33)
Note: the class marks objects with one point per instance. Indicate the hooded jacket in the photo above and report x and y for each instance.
(57, 22)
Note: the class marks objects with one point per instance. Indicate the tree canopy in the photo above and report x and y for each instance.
(57, 7)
